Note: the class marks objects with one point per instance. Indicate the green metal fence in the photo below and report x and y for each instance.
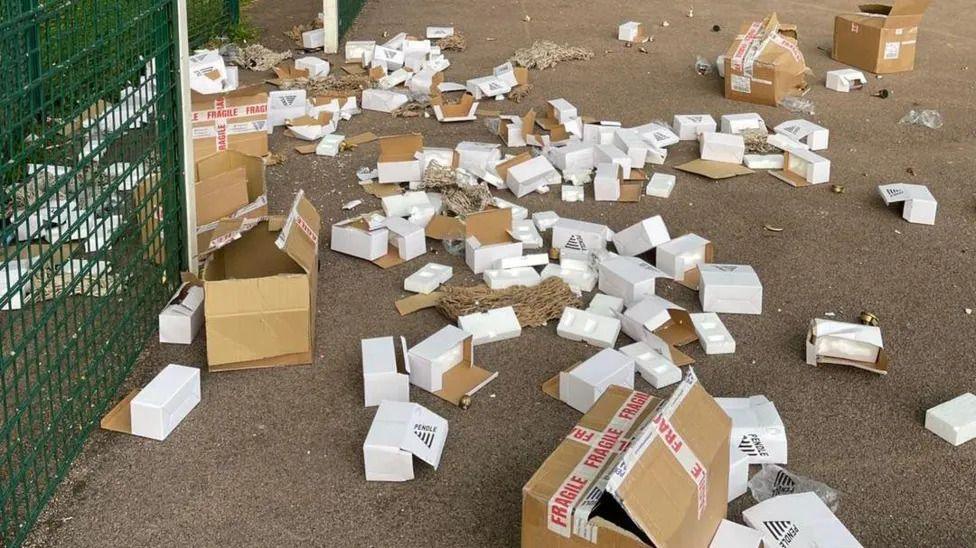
(210, 18)
(91, 227)
(348, 10)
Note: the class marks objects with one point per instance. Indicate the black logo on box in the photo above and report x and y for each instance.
(426, 434)
(783, 531)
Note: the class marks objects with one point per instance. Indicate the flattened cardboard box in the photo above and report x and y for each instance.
(236, 120)
(879, 38)
(260, 285)
(635, 472)
(764, 63)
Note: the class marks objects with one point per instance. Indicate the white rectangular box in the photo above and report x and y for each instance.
(600, 133)
(401, 205)
(605, 305)
(360, 51)
(284, 105)
(182, 317)
(633, 146)
(544, 220)
(690, 126)
(918, 204)
(399, 432)
(563, 110)
(408, 239)
(573, 157)
(757, 429)
(435, 355)
(534, 259)
(845, 80)
(815, 136)
(678, 257)
(612, 154)
(387, 58)
(640, 320)
(629, 31)
(830, 341)
(353, 237)
(593, 329)
(661, 185)
(732, 535)
(381, 381)
(518, 212)
(954, 420)
(738, 473)
(511, 277)
(578, 280)
(653, 366)
(659, 136)
(629, 278)
(737, 123)
(317, 68)
(722, 147)
(428, 279)
(528, 176)
(313, 39)
(579, 235)
(582, 385)
(803, 518)
(491, 326)
(802, 167)
(160, 407)
(641, 237)
(763, 161)
(730, 289)
(524, 231)
(487, 86)
(480, 257)
(606, 183)
(712, 334)
(383, 100)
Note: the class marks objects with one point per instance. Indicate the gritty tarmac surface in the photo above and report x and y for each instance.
(273, 457)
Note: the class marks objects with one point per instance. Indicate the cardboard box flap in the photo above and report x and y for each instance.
(503, 167)
(299, 237)
(227, 160)
(221, 195)
(119, 419)
(900, 8)
(490, 227)
(671, 482)
(442, 227)
(461, 109)
(400, 148)
(255, 92)
(425, 436)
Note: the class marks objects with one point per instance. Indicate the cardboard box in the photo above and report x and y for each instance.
(487, 86)
(511, 75)
(722, 147)
(284, 105)
(815, 136)
(158, 408)
(582, 385)
(803, 168)
(398, 161)
(399, 432)
(629, 278)
(260, 284)
(461, 111)
(730, 289)
(842, 343)
(738, 472)
(498, 278)
(714, 337)
(606, 182)
(360, 51)
(381, 379)
(593, 329)
(918, 204)
(757, 429)
(600, 133)
(476, 157)
(229, 184)
(605, 305)
(357, 238)
(383, 100)
(313, 39)
(487, 239)
(632, 31)
(798, 520)
(954, 420)
(653, 366)
(236, 120)
(494, 325)
(690, 126)
(443, 364)
(579, 235)
(654, 315)
(316, 67)
(666, 487)
(880, 39)
(657, 135)
(733, 535)
(182, 317)
(845, 80)
(661, 185)
(641, 237)
(680, 258)
(764, 64)
(308, 128)
(737, 123)
(428, 279)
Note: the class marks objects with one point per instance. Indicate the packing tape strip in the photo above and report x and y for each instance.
(782, 42)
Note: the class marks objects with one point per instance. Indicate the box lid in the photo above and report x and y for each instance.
(299, 237)
(398, 148)
(490, 227)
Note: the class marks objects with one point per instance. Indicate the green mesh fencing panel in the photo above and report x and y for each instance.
(91, 197)
(207, 19)
(348, 10)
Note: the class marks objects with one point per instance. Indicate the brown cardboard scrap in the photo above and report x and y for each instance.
(714, 170)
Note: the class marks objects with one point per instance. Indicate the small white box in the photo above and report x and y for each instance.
(653, 366)
(802, 167)
(954, 420)
(487, 86)
(578, 280)
(629, 278)
(633, 146)
(784, 143)
(183, 315)
(732, 535)
(815, 136)
(919, 206)
(387, 58)
(845, 80)
(491, 326)
(842, 343)
(528, 176)
(317, 68)
(563, 110)
(803, 518)
(402, 205)
(763, 161)
(399, 432)
(730, 289)
(381, 381)
(738, 473)
(757, 429)
(659, 136)
(593, 329)
(641, 237)
(518, 212)
(480, 257)
(534, 259)
(436, 33)
(640, 320)
(510, 277)
(722, 147)
(329, 145)
(353, 237)
(582, 385)
(678, 257)
(160, 407)
(572, 193)
(524, 231)
(573, 157)
(434, 356)
(660, 185)
(631, 31)
(600, 133)
(408, 239)
(712, 334)
(285, 105)
(395, 79)
(605, 305)
(476, 157)
(606, 183)
(579, 235)
(428, 279)
(612, 154)
(313, 39)
(690, 126)
(544, 220)
(360, 50)
(383, 100)
(737, 123)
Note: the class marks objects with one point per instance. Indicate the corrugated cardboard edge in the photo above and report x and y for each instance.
(442, 227)
(413, 303)
(119, 419)
(714, 170)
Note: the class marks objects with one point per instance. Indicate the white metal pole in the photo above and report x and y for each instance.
(186, 111)
(330, 15)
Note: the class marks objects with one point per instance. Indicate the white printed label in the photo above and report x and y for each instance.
(892, 50)
(741, 84)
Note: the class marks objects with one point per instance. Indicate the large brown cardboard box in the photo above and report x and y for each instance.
(260, 284)
(764, 63)
(236, 120)
(635, 472)
(229, 184)
(879, 39)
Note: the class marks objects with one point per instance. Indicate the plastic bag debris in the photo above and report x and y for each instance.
(703, 66)
(454, 247)
(929, 118)
(366, 174)
(799, 105)
(774, 480)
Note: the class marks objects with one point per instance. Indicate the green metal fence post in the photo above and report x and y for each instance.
(234, 11)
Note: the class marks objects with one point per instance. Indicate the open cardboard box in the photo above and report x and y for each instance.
(236, 120)
(879, 38)
(843, 343)
(443, 364)
(655, 315)
(398, 161)
(260, 284)
(487, 239)
(634, 472)
(764, 63)
(461, 111)
(221, 178)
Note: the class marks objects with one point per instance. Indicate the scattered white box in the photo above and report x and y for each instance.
(606, 183)
(582, 385)
(757, 429)
(730, 289)
(434, 356)
(317, 68)
(798, 520)
(612, 154)
(630, 31)
(572, 193)
(593, 329)
(815, 136)
(360, 50)
(763, 161)
(399, 432)
(653, 366)
(491, 326)
(510, 277)
(183, 315)
(524, 231)
(635, 147)
(285, 105)
(528, 176)
(577, 279)
(160, 407)
(738, 473)
(737, 123)
(802, 167)
(562, 110)
(408, 239)
(640, 320)
(720, 64)
(605, 305)
(579, 235)
(383, 100)
(600, 133)
(394, 79)
(354, 237)
(313, 39)
(573, 157)
(486, 86)
(544, 220)
(641, 237)
(722, 147)
(659, 136)
(387, 58)
(436, 33)
(329, 145)
(518, 212)
(660, 185)
(712, 333)
(784, 143)
(954, 420)
(629, 278)
(428, 279)
(690, 126)
(401, 205)
(534, 259)
(918, 204)
(845, 80)
(732, 535)
(480, 257)
(677, 258)
(381, 381)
